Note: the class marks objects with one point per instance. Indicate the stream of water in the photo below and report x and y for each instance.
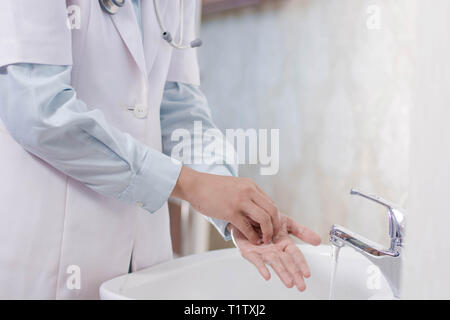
(335, 257)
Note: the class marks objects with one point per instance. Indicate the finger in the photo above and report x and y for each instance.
(303, 233)
(294, 270)
(265, 194)
(244, 226)
(259, 215)
(280, 270)
(263, 201)
(258, 262)
(299, 259)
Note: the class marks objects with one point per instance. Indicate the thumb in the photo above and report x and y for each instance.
(302, 232)
(246, 228)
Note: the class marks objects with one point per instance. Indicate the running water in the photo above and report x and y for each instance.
(335, 257)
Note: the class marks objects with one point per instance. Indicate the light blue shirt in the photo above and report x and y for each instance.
(137, 9)
(42, 113)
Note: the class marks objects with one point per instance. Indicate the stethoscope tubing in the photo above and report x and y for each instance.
(112, 7)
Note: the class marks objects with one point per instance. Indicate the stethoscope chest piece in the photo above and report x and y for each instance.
(111, 6)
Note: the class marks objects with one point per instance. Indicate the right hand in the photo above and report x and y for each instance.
(236, 200)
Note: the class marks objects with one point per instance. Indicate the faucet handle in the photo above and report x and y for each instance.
(396, 217)
(374, 198)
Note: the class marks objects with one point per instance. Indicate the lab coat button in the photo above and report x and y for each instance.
(140, 204)
(140, 111)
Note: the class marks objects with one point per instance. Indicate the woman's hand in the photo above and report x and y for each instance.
(236, 200)
(284, 257)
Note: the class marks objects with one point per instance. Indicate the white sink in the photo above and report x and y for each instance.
(223, 274)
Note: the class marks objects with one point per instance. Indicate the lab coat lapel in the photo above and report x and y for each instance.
(127, 25)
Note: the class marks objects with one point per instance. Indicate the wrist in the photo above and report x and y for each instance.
(185, 184)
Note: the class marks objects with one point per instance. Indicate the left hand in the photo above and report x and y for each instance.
(282, 254)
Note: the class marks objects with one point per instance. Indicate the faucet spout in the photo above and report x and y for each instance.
(340, 236)
(388, 260)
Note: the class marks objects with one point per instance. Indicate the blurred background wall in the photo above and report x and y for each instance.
(336, 77)
(427, 260)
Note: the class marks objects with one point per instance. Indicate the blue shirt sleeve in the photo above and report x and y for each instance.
(40, 109)
(182, 105)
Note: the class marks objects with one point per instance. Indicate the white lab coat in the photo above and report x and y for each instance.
(53, 227)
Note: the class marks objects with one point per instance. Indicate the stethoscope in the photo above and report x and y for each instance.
(113, 6)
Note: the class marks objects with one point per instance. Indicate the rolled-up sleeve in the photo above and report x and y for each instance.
(41, 111)
(183, 105)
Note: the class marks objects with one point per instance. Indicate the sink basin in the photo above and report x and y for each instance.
(223, 274)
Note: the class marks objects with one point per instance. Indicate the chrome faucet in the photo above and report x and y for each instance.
(387, 260)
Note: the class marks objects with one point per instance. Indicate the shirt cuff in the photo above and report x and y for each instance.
(152, 185)
(221, 226)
